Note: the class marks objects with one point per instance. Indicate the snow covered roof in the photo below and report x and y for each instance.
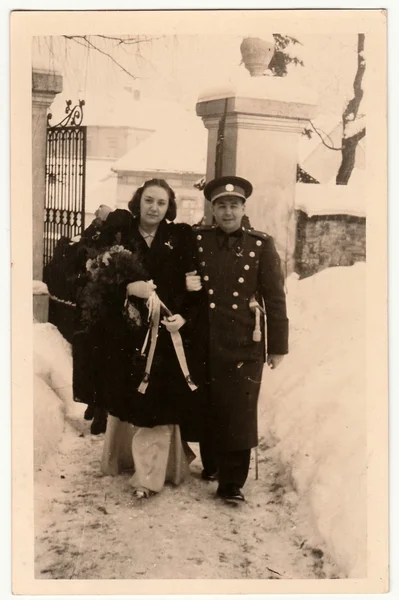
(178, 146)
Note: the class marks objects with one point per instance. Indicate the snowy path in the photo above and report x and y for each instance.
(89, 526)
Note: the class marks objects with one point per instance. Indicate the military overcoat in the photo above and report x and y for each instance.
(236, 268)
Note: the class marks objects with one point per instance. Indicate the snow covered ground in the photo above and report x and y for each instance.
(312, 428)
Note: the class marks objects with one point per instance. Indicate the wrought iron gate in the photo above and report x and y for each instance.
(64, 212)
(65, 179)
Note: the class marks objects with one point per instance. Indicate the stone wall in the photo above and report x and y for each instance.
(324, 241)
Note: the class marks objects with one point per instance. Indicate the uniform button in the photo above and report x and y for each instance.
(200, 249)
(199, 237)
(241, 280)
(252, 254)
(234, 307)
(235, 294)
(246, 267)
(212, 305)
(210, 292)
(258, 243)
(206, 278)
(203, 263)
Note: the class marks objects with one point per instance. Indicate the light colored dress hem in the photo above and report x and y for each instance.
(156, 455)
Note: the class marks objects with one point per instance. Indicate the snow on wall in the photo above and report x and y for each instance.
(331, 199)
(313, 405)
(39, 288)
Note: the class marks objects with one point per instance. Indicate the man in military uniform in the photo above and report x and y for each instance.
(241, 273)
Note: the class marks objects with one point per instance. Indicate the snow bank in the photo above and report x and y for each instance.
(313, 406)
(53, 398)
(48, 421)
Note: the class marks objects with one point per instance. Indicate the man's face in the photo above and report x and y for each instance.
(228, 213)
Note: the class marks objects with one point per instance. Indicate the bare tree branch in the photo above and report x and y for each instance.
(128, 40)
(330, 147)
(84, 41)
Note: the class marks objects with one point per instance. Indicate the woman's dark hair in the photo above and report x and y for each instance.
(134, 204)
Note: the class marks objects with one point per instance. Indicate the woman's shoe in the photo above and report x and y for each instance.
(143, 493)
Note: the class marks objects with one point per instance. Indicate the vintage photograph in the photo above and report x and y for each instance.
(200, 246)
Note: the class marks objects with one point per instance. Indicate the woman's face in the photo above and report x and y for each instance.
(154, 204)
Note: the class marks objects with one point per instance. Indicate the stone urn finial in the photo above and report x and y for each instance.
(256, 55)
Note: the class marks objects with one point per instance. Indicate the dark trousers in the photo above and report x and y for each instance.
(232, 465)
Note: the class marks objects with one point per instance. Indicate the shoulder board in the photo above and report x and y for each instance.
(258, 234)
(202, 228)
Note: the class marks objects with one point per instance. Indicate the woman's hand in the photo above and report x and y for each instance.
(173, 323)
(193, 282)
(141, 289)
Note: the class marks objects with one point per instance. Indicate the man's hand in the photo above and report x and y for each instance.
(273, 360)
(173, 323)
(193, 282)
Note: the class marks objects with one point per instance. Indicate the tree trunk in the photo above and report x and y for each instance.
(349, 146)
(349, 143)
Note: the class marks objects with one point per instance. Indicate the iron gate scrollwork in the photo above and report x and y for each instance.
(65, 179)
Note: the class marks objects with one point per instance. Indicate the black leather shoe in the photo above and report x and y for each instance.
(89, 413)
(209, 476)
(231, 495)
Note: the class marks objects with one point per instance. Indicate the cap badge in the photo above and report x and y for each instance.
(229, 187)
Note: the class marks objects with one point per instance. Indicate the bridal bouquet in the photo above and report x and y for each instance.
(104, 295)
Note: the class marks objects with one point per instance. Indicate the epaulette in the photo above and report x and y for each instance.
(199, 227)
(259, 234)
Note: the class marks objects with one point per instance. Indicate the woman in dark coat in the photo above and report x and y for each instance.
(167, 410)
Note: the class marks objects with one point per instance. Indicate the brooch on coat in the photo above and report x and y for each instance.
(169, 245)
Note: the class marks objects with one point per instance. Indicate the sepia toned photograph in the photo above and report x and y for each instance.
(197, 272)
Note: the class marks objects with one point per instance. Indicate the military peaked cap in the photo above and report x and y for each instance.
(227, 187)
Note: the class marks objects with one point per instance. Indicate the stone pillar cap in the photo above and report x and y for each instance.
(242, 85)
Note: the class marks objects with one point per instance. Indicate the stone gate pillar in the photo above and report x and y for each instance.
(45, 85)
(263, 119)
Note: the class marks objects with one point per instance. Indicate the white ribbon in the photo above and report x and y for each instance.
(154, 305)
